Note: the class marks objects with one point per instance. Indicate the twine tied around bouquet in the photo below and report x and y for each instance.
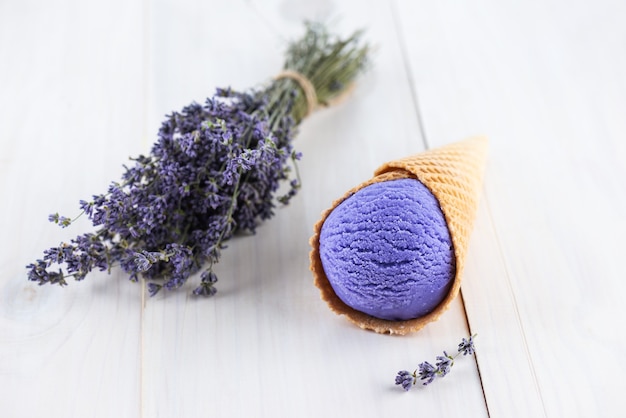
(305, 84)
(312, 101)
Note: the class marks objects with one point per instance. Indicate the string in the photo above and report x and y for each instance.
(306, 86)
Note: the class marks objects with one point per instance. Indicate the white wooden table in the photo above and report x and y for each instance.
(84, 85)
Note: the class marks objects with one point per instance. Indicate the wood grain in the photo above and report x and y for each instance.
(85, 85)
(542, 80)
(267, 345)
(71, 111)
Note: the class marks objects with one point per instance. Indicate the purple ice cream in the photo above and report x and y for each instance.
(386, 250)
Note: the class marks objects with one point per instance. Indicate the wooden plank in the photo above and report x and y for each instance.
(71, 107)
(266, 345)
(545, 81)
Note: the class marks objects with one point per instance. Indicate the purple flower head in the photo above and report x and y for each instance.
(86, 207)
(406, 379)
(208, 277)
(467, 346)
(187, 142)
(145, 259)
(207, 280)
(427, 372)
(153, 288)
(39, 273)
(54, 255)
(443, 364)
(205, 289)
(62, 221)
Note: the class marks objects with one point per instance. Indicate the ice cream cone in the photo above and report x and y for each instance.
(453, 174)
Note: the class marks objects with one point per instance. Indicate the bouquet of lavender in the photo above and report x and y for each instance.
(214, 171)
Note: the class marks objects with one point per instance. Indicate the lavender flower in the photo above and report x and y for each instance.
(406, 379)
(214, 171)
(467, 346)
(428, 373)
(61, 220)
(153, 288)
(145, 259)
(207, 280)
(444, 363)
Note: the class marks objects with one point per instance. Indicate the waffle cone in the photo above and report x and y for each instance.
(453, 173)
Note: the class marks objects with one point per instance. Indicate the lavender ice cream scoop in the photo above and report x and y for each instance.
(387, 252)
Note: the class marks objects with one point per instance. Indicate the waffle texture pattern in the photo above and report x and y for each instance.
(454, 175)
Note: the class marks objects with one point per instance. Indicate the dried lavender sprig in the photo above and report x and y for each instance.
(214, 171)
(331, 65)
(427, 373)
